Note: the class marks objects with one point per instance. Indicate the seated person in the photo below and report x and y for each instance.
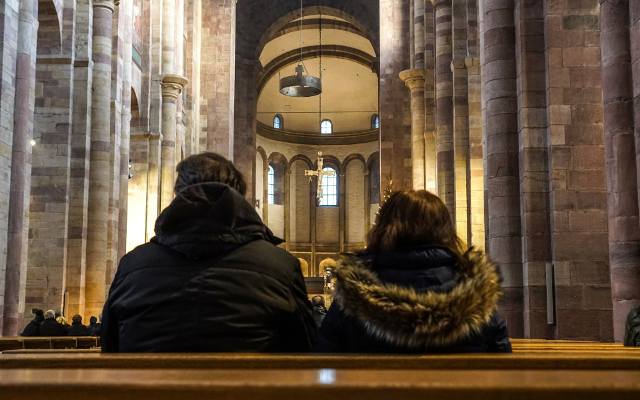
(51, 327)
(319, 309)
(415, 289)
(33, 327)
(94, 326)
(632, 329)
(76, 328)
(212, 279)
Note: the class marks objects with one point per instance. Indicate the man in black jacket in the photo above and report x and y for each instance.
(33, 327)
(51, 327)
(212, 279)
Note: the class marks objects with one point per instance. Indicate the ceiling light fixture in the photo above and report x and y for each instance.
(301, 84)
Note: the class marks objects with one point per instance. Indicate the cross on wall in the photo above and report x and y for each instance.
(319, 173)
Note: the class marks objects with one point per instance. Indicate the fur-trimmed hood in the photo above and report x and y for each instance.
(420, 318)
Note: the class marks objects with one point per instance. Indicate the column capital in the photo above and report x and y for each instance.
(108, 4)
(172, 85)
(413, 78)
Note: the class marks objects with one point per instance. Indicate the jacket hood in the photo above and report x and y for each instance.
(209, 219)
(404, 316)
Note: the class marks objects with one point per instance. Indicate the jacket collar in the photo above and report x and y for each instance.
(405, 317)
(209, 219)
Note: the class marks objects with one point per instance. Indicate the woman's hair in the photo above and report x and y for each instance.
(208, 167)
(414, 218)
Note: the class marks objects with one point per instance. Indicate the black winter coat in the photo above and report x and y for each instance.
(51, 327)
(32, 328)
(415, 301)
(77, 330)
(212, 280)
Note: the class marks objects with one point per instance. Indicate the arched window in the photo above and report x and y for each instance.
(329, 189)
(271, 185)
(326, 127)
(277, 121)
(375, 121)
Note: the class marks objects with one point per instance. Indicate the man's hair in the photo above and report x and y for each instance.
(76, 319)
(50, 314)
(208, 167)
(37, 312)
(93, 320)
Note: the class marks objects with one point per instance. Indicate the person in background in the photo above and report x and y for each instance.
(77, 328)
(416, 288)
(632, 328)
(212, 279)
(33, 327)
(63, 321)
(51, 327)
(94, 326)
(319, 309)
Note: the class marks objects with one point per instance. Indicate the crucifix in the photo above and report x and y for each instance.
(319, 173)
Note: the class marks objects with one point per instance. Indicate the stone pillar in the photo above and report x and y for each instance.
(342, 204)
(634, 34)
(79, 162)
(99, 187)
(395, 129)
(430, 152)
(218, 76)
(246, 108)
(153, 184)
(17, 241)
(460, 118)
(624, 226)
(444, 104)
(501, 138)
(534, 168)
(476, 157)
(172, 86)
(418, 22)
(414, 80)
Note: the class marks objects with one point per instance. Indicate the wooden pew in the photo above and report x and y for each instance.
(63, 342)
(316, 384)
(549, 360)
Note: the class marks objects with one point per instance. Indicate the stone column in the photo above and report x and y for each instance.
(534, 166)
(99, 176)
(414, 80)
(342, 204)
(17, 241)
(634, 17)
(153, 185)
(624, 227)
(501, 138)
(172, 86)
(395, 129)
(75, 277)
(444, 104)
(430, 152)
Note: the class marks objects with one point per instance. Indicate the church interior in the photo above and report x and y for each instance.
(522, 116)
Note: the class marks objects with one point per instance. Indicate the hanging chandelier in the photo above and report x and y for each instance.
(301, 84)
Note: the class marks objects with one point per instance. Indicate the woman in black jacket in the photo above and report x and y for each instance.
(212, 279)
(415, 290)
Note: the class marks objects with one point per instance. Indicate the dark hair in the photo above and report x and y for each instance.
(37, 312)
(414, 218)
(93, 320)
(208, 167)
(77, 319)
